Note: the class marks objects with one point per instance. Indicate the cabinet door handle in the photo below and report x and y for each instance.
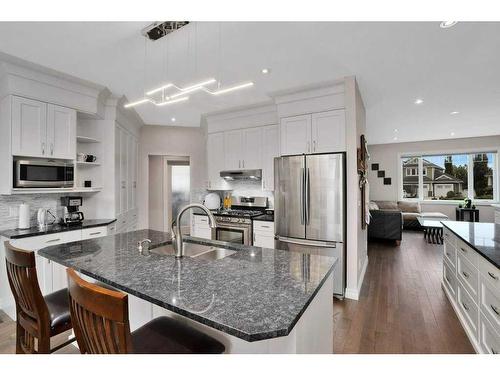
(94, 233)
(463, 250)
(466, 275)
(53, 240)
(492, 275)
(314, 145)
(465, 306)
(495, 309)
(52, 149)
(253, 238)
(243, 163)
(43, 148)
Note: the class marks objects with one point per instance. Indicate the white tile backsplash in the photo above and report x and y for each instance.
(9, 207)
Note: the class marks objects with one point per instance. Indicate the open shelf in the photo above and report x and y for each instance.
(56, 191)
(83, 139)
(85, 163)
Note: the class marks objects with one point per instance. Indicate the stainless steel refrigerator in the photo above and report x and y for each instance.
(309, 200)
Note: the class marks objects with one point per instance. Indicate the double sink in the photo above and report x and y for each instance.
(194, 250)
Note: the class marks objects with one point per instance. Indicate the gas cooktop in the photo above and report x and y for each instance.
(238, 213)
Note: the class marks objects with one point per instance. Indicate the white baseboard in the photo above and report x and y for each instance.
(353, 293)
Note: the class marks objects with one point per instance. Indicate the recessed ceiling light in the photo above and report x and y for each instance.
(395, 130)
(419, 101)
(454, 113)
(447, 24)
(452, 134)
(266, 71)
(173, 119)
(395, 138)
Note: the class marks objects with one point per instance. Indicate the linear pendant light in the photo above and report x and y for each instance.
(180, 94)
(166, 102)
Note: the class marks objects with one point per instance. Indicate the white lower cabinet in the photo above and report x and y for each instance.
(51, 275)
(472, 285)
(140, 312)
(200, 227)
(263, 234)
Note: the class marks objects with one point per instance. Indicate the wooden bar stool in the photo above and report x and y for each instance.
(38, 318)
(101, 326)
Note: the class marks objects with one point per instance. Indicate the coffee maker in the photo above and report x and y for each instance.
(71, 215)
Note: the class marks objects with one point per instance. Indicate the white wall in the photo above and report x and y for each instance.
(172, 141)
(387, 156)
(357, 258)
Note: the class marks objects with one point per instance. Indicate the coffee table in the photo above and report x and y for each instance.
(433, 230)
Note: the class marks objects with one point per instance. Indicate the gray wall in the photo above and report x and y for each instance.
(387, 155)
(172, 141)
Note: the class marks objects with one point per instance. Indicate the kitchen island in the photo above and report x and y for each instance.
(255, 300)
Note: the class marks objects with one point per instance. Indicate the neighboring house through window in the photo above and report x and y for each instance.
(446, 177)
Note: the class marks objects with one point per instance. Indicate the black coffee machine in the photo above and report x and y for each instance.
(71, 215)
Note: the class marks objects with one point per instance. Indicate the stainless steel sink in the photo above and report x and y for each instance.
(215, 253)
(194, 250)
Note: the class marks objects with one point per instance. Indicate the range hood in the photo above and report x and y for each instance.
(245, 174)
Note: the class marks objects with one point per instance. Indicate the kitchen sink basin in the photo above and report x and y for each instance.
(215, 253)
(194, 250)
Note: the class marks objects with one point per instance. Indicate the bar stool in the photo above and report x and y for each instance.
(38, 318)
(101, 326)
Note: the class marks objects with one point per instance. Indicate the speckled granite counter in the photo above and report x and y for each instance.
(483, 237)
(55, 228)
(254, 294)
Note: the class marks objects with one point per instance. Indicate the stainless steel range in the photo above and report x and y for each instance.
(235, 224)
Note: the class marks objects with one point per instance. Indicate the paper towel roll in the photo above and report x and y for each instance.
(24, 216)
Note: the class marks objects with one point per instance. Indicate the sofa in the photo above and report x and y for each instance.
(386, 221)
(410, 212)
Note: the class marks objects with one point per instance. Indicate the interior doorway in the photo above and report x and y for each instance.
(169, 190)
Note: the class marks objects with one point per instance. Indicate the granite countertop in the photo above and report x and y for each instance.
(254, 294)
(54, 228)
(483, 237)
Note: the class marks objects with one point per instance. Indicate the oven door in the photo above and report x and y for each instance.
(239, 234)
(42, 174)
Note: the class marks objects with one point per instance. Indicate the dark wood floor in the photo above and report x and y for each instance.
(402, 308)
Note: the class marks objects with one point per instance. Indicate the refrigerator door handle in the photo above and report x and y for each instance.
(302, 217)
(307, 242)
(307, 197)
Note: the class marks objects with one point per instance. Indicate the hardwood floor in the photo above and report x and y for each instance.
(402, 308)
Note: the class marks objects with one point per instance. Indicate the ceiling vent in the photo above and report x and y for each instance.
(158, 30)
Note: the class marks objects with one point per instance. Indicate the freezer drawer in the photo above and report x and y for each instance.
(307, 247)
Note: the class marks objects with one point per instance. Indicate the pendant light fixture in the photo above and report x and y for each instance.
(170, 93)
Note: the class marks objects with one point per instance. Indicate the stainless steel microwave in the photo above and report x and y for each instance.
(43, 173)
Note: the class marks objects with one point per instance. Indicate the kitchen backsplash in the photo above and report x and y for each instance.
(9, 207)
(241, 188)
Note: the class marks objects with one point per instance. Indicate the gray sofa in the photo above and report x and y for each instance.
(386, 221)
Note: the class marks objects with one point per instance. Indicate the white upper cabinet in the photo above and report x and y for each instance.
(61, 132)
(328, 131)
(215, 161)
(29, 127)
(42, 130)
(233, 144)
(270, 150)
(315, 133)
(252, 149)
(296, 135)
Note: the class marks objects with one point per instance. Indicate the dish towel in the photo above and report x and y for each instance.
(367, 202)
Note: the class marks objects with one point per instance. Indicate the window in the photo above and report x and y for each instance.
(450, 176)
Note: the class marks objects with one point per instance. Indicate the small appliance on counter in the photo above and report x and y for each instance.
(212, 201)
(71, 214)
(43, 218)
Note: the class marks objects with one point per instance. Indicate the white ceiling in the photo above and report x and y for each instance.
(456, 69)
